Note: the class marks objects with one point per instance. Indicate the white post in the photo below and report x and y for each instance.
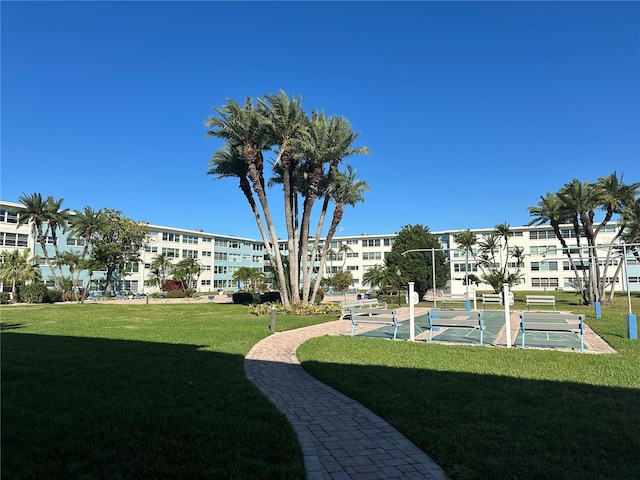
(433, 272)
(412, 320)
(507, 320)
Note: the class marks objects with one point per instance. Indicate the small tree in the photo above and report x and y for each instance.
(342, 281)
(17, 268)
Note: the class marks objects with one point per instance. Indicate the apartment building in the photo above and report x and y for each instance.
(544, 266)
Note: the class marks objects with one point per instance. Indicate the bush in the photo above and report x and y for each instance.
(176, 294)
(243, 298)
(35, 293)
(4, 298)
(270, 297)
(54, 296)
(329, 308)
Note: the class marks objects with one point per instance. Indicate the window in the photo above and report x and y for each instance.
(542, 235)
(75, 242)
(258, 247)
(220, 284)
(170, 237)
(371, 242)
(543, 250)
(206, 240)
(171, 252)
(352, 242)
(219, 269)
(205, 283)
(219, 256)
(544, 266)
(234, 257)
(352, 268)
(352, 254)
(234, 244)
(257, 259)
(14, 239)
(220, 243)
(193, 239)
(8, 216)
(372, 256)
(566, 266)
(189, 254)
(544, 282)
(131, 285)
(388, 242)
(206, 254)
(460, 267)
(150, 249)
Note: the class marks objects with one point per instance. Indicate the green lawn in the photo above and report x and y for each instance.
(485, 412)
(107, 391)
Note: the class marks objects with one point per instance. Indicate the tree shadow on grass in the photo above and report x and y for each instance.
(110, 409)
(489, 426)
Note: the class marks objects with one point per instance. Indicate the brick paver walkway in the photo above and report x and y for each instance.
(340, 438)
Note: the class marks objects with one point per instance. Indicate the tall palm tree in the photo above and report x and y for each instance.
(551, 210)
(45, 217)
(85, 224)
(330, 141)
(17, 268)
(188, 269)
(375, 277)
(345, 189)
(246, 128)
(466, 240)
(287, 126)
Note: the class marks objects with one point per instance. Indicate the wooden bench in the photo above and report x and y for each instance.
(453, 298)
(379, 316)
(539, 324)
(455, 318)
(541, 300)
(489, 298)
(364, 303)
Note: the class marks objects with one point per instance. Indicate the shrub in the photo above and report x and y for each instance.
(176, 294)
(53, 296)
(270, 297)
(4, 298)
(35, 293)
(243, 298)
(329, 308)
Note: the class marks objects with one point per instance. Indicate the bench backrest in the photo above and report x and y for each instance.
(541, 299)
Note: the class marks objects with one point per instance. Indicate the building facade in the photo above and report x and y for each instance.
(543, 266)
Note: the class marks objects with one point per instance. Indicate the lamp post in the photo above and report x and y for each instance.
(632, 325)
(399, 274)
(433, 266)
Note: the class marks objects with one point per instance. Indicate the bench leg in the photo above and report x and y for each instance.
(353, 329)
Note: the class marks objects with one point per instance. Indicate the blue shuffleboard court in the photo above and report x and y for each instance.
(557, 330)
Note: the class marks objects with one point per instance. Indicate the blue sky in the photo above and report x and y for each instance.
(472, 110)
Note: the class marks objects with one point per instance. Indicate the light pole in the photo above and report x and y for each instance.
(399, 274)
(632, 325)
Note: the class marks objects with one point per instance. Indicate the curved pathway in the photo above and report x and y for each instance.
(340, 438)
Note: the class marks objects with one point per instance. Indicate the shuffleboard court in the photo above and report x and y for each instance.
(494, 324)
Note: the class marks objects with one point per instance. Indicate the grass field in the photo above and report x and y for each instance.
(106, 391)
(484, 412)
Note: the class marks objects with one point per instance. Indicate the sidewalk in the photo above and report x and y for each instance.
(340, 438)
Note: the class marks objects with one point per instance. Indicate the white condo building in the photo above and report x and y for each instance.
(220, 255)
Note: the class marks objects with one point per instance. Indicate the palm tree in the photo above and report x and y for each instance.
(344, 190)
(330, 141)
(188, 269)
(551, 210)
(73, 261)
(466, 240)
(375, 277)
(161, 266)
(45, 217)
(245, 127)
(287, 126)
(17, 268)
(85, 224)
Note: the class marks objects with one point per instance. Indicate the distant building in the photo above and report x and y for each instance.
(220, 255)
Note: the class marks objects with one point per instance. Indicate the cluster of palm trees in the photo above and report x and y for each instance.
(109, 241)
(495, 259)
(309, 150)
(163, 269)
(576, 203)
